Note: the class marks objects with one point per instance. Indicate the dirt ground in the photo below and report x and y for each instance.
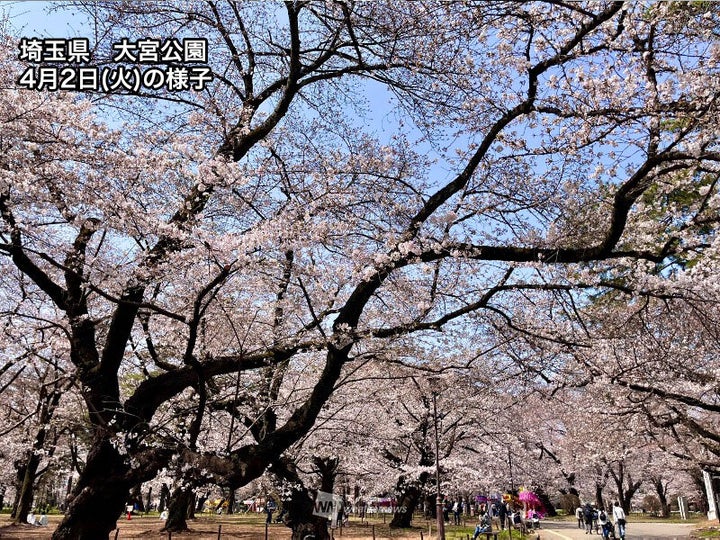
(206, 528)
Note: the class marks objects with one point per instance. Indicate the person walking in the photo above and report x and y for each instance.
(270, 507)
(579, 516)
(588, 516)
(456, 509)
(595, 516)
(619, 515)
(502, 514)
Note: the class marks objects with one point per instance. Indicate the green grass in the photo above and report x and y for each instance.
(453, 532)
(706, 533)
(694, 517)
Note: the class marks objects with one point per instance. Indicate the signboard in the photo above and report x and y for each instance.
(712, 507)
(683, 507)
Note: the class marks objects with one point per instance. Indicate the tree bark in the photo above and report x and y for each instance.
(25, 498)
(661, 489)
(101, 493)
(548, 506)
(231, 501)
(19, 478)
(191, 505)
(164, 496)
(410, 494)
(698, 481)
(599, 502)
(177, 511)
(299, 509)
(300, 518)
(625, 494)
(148, 500)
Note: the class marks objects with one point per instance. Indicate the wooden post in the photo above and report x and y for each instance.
(373, 530)
(266, 530)
(219, 531)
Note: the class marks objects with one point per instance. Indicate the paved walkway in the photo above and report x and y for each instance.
(565, 530)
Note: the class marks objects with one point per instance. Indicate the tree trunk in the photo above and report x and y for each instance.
(177, 511)
(299, 509)
(431, 506)
(164, 496)
(408, 500)
(231, 501)
(25, 499)
(100, 494)
(661, 489)
(599, 502)
(19, 478)
(625, 495)
(300, 518)
(148, 500)
(68, 492)
(548, 506)
(629, 494)
(191, 505)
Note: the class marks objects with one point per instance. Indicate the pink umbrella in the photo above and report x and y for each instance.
(531, 501)
(530, 498)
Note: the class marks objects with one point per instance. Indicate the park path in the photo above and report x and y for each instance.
(565, 530)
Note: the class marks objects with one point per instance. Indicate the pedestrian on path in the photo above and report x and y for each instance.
(619, 515)
(579, 516)
(588, 516)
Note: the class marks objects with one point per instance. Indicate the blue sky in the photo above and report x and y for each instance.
(32, 19)
(45, 19)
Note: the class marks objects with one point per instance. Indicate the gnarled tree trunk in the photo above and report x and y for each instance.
(178, 510)
(410, 494)
(25, 498)
(19, 479)
(101, 493)
(164, 497)
(661, 488)
(548, 506)
(299, 509)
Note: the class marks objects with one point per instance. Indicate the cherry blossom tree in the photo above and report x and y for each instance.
(223, 235)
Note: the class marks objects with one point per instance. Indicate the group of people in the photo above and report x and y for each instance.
(593, 519)
(505, 515)
(40, 521)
